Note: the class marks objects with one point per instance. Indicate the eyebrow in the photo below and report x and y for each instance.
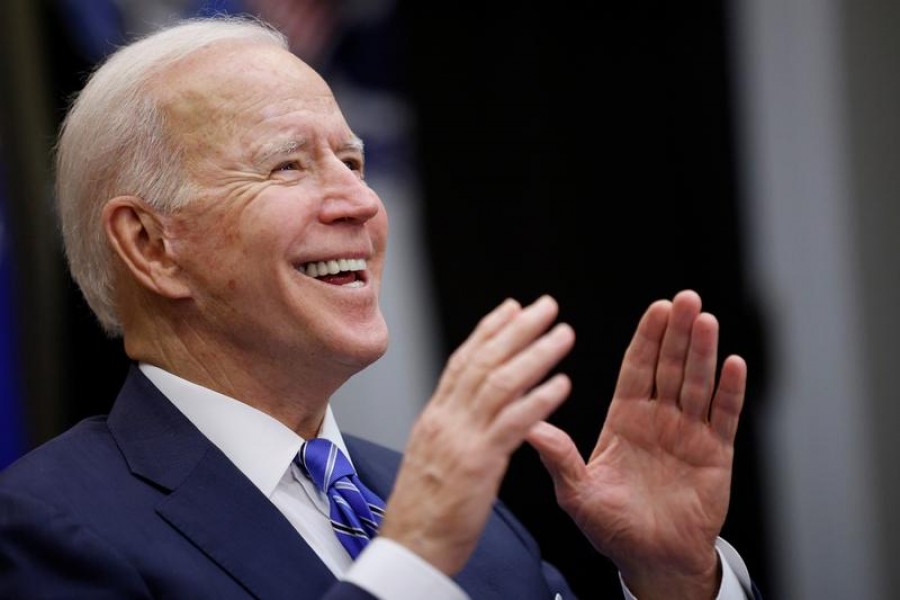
(354, 143)
(284, 148)
(280, 148)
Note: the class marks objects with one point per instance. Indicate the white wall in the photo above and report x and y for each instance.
(806, 248)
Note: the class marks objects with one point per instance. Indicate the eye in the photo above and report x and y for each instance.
(290, 165)
(355, 165)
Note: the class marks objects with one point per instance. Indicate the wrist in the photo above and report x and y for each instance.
(652, 582)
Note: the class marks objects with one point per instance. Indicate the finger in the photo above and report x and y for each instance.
(491, 323)
(559, 455)
(639, 364)
(526, 369)
(515, 337)
(487, 327)
(729, 398)
(521, 330)
(700, 367)
(673, 353)
(517, 419)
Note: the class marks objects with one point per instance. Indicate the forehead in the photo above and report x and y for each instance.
(248, 94)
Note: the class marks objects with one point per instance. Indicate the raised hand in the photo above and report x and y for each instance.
(654, 493)
(491, 394)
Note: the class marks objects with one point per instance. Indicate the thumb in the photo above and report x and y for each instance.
(560, 457)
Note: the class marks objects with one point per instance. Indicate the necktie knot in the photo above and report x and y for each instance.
(355, 511)
(324, 463)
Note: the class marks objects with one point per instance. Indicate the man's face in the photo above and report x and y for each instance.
(281, 188)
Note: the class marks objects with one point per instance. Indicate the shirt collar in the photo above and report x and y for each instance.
(259, 445)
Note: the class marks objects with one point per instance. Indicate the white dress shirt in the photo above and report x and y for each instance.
(263, 449)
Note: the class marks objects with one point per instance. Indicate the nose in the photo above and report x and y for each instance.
(347, 197)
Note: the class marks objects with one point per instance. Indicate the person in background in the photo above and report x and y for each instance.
(216, 216)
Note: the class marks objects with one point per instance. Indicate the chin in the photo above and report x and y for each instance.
(358, 361)
(374, 351)
(364, 351)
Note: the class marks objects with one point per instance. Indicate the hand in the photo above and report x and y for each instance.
(489, 396)
(654, 493)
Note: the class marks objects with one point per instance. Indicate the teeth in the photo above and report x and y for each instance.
(333, 267)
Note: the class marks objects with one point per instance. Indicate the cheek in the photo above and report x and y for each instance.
(222, 240)
(259, 234)
(208, 247)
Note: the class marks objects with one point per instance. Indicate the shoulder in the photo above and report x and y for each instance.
(364, 447)
(74, 453)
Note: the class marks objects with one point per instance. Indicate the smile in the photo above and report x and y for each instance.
(341, 271)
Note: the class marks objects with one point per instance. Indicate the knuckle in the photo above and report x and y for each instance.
(455, 364)
(501, 383)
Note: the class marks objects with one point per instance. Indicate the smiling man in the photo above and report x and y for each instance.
(216, 216)
(248, 273)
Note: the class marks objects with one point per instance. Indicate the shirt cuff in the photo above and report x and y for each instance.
(390, 571)
(735, 584)
(733, 567)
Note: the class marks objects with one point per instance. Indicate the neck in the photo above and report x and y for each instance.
(295, 394)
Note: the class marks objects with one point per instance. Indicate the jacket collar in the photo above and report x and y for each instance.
(209, 500)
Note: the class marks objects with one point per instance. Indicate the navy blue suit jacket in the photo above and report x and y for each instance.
(140, 504)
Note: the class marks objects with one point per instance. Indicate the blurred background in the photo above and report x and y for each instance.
(608, 155)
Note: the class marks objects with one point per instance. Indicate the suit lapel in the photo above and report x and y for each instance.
(210, 501)
(376, 465)
(227, 517)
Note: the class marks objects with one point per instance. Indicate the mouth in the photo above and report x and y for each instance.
(346, 272)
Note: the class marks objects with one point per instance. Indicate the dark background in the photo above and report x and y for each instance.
(587, 151)
(581, 150)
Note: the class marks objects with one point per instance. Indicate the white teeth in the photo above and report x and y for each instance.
(333, 267)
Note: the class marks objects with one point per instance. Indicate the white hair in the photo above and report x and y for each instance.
(113, 142)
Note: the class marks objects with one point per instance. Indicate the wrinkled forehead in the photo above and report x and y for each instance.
(225, 91)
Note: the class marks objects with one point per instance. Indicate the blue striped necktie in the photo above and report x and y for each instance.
(356, 512)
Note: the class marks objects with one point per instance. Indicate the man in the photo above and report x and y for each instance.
(216, 216)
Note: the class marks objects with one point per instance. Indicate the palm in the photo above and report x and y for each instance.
(670, 477)
(655, 490)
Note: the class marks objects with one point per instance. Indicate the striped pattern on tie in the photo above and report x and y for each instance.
(355, 511)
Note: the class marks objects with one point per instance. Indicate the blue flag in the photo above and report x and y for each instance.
(12, 434)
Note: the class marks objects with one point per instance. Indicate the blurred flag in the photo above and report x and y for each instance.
(12, 434)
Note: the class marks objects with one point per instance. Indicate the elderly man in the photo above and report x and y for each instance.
(216, 216)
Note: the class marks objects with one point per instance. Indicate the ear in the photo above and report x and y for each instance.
(136, 234)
